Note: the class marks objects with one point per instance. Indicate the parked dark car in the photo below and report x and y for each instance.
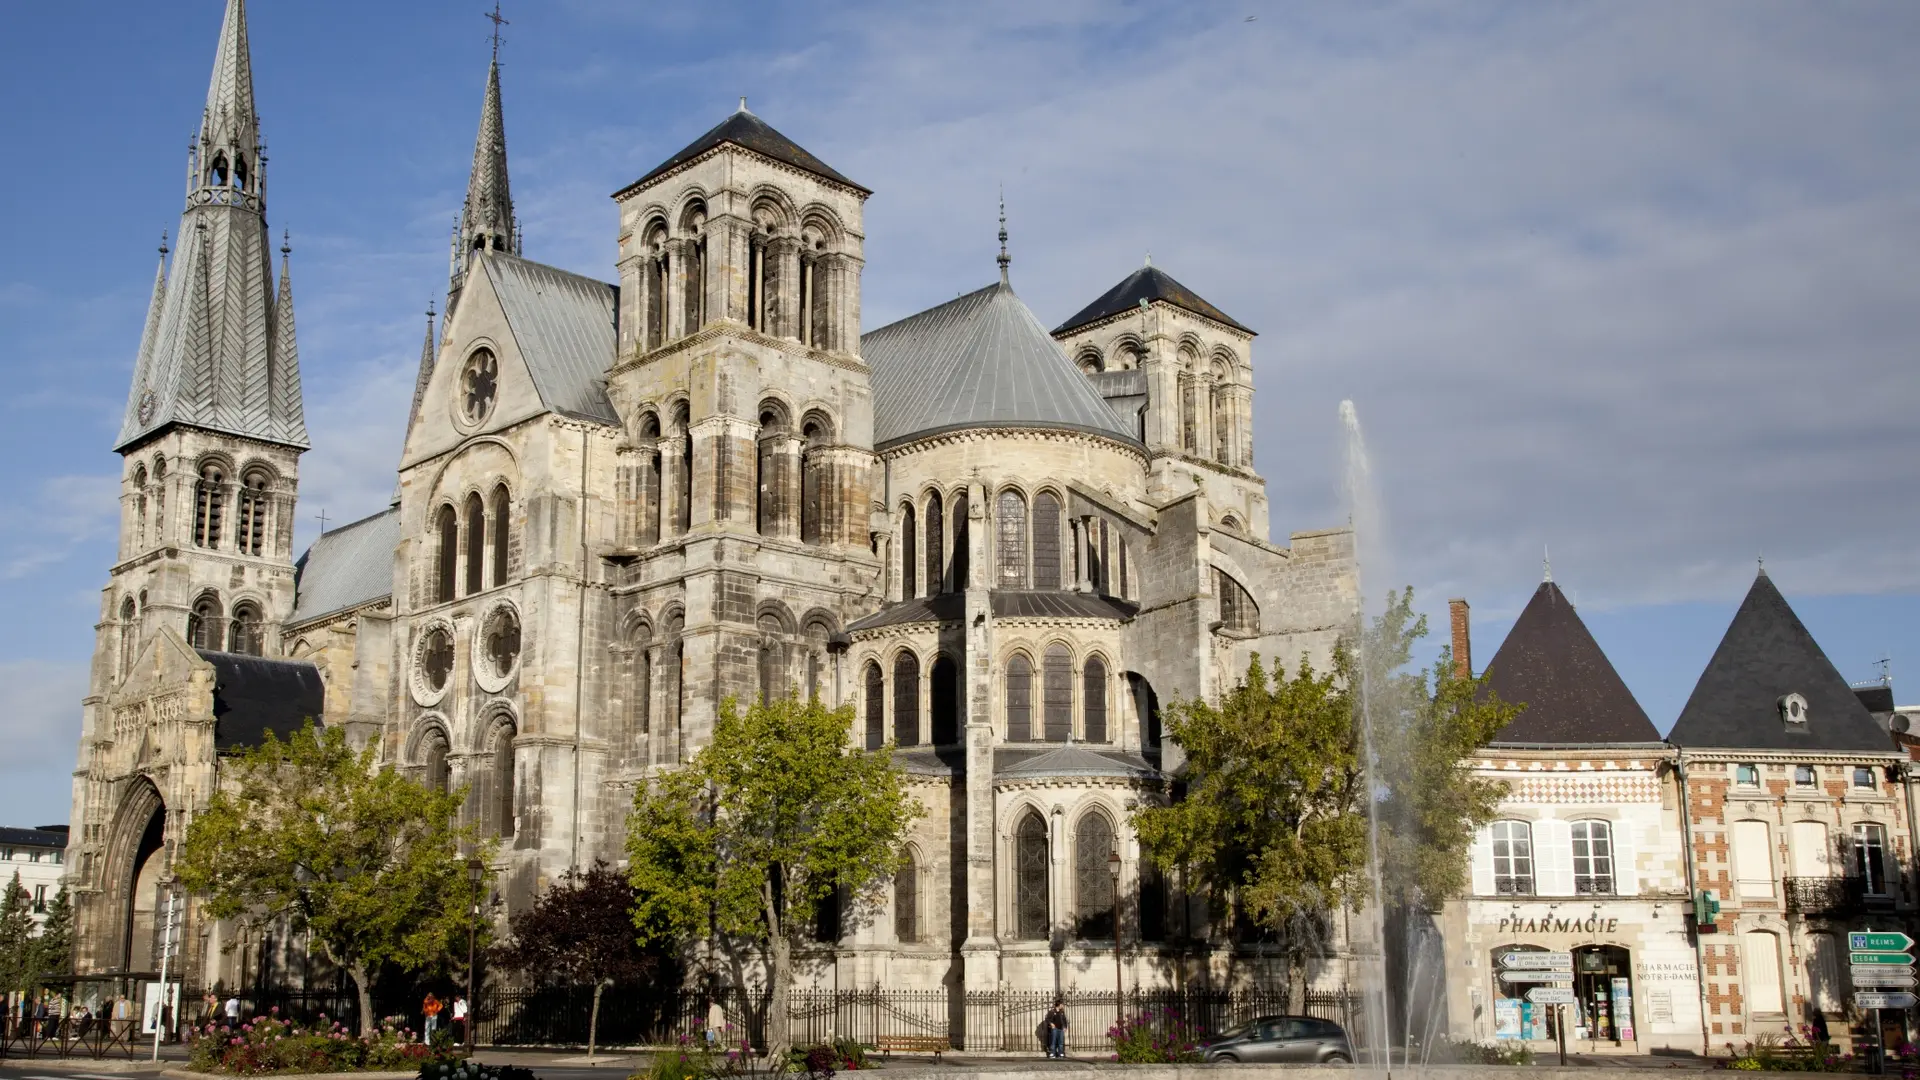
(1282, 1038)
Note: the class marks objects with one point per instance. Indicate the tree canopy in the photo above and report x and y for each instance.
(1274, 815)
(772, 820)
(581, 931)
(359, 856)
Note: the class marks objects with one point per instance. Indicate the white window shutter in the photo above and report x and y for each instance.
(1553, 852)
(1626, 876)
(1482, 853)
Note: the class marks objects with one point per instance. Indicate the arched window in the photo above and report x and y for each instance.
(773, 675)
(205, 623)
(642, 678)
(909, 559)
(1012, 547)
(251, 536)
(650, 494)
(675, 659)
(129, 635)
(1030, 875)
(1095, 696)
(446, 569)
(945, 695)
(1092, 880)
(159, 500)
(1512, 858)
(906, 900)
(1237, 610)
(813, 468)
(683, 501)
(217, 175)
(476, 545)
(139, 506)
(209, 505)
(1592, 858)
(1056, 690)
(906, 700)
(245, 636)
(1019, 699)
(772, 496)
(961, 552)
(876, 707)
(433, 754)
(503, 779)
(936, 550)
(1046, 541)
(501, 534)
(1760, 955)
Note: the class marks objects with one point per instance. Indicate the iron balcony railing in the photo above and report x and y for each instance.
(1833, 896)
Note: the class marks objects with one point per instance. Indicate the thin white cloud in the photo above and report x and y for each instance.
(40, 726)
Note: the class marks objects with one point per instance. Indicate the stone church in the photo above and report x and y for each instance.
(619, 503)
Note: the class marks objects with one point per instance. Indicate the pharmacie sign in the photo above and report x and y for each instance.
(1567, 924)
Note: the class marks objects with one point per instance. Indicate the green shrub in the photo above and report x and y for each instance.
(1490, 1052)
(1154, 1037)
(273, 1044)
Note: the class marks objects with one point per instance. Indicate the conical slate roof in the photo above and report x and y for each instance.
(1148, 283)
(488, 212)
(1767, 654)
(1551, 664)
(746, 130)
(981, 361)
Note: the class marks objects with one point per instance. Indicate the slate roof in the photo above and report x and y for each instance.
(1005, 603)
(1148, 283)
(1573, 696)
(44, 838)
(253, 695)
(346, 567)
(980, 361)
(743, 129)
(1766, 654)
(1075, 760)
(564, 325)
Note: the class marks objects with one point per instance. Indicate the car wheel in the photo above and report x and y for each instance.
(1337, 1059)
(1231, 1059)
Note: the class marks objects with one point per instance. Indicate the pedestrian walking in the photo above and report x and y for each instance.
(459, 1025)
(1057, 1028)
(233, 1010)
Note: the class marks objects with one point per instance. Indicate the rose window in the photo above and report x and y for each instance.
(436, 658)
(479, 383)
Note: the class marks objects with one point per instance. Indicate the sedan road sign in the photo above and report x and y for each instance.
(1563, 995)
(1874, 999)
(1895, 959)
(1535, 975)
(1537, 960)
(1878, 942)
(1882, 976)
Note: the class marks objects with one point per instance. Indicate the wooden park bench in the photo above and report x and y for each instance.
(913, 1044)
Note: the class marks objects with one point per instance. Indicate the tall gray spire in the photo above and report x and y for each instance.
(426, 370)
(219, 349)
(486, 219)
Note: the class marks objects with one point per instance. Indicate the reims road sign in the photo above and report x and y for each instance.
(1879, 942)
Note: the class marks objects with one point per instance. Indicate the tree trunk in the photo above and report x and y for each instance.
(593, 1020)
(779, 952)
(363, 987)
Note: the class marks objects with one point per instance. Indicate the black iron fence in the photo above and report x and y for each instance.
(68, 1036)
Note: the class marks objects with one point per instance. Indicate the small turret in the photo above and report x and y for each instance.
(486, 219)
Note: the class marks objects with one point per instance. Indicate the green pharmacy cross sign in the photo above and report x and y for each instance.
(1880, 942)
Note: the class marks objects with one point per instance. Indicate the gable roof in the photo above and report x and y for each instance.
(564, 326)
(1550, 663)
(1010, 762)
(1767, 654)
(1148, 283)
(745, 130)
(980, 361)
(346, 567)
(253, 695)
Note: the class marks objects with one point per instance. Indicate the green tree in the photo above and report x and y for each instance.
(1274, 817)
(581, 931)
(355, 854)
(51, 952)
(16, 936)
(756, 834)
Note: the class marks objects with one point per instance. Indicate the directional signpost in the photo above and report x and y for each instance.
(1543, 967)
(1880, 960)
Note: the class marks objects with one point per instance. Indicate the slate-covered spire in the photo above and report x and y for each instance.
(486, 219)
(143, 363)
(426, 371)
(215, 356)
(286, 408)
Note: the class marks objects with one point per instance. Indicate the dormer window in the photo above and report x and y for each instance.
(1793, 710)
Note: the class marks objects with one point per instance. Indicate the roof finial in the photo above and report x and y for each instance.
(286, 242)
(498, 22)
(743, 103)
(1004, 259)
(163, 241)
(1761, 559)
(1546, 564)
(1149, 258)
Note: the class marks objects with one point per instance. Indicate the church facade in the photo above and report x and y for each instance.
(620, 503)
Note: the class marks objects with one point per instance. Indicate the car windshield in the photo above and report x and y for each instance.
(1235, 1032)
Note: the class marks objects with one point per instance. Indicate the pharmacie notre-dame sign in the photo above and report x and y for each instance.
(1572, 924)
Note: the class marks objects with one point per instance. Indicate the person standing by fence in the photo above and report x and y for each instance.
(430, 1007)
(459, 1025)
(1056, 1024)
(233, 1010)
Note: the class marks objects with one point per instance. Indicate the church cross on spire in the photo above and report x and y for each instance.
(498, 22)
(1005, 260)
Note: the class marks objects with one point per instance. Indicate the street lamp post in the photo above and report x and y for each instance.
(476, 871)
(1119, 978)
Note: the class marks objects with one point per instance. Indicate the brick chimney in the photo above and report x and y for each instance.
(1462, 638)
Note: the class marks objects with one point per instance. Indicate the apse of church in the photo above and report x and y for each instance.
(620, 504)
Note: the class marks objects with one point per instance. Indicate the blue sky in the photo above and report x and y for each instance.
(1632, 280)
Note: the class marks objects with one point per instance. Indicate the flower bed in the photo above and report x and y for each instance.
(1154, 1037)
(271, 1044)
